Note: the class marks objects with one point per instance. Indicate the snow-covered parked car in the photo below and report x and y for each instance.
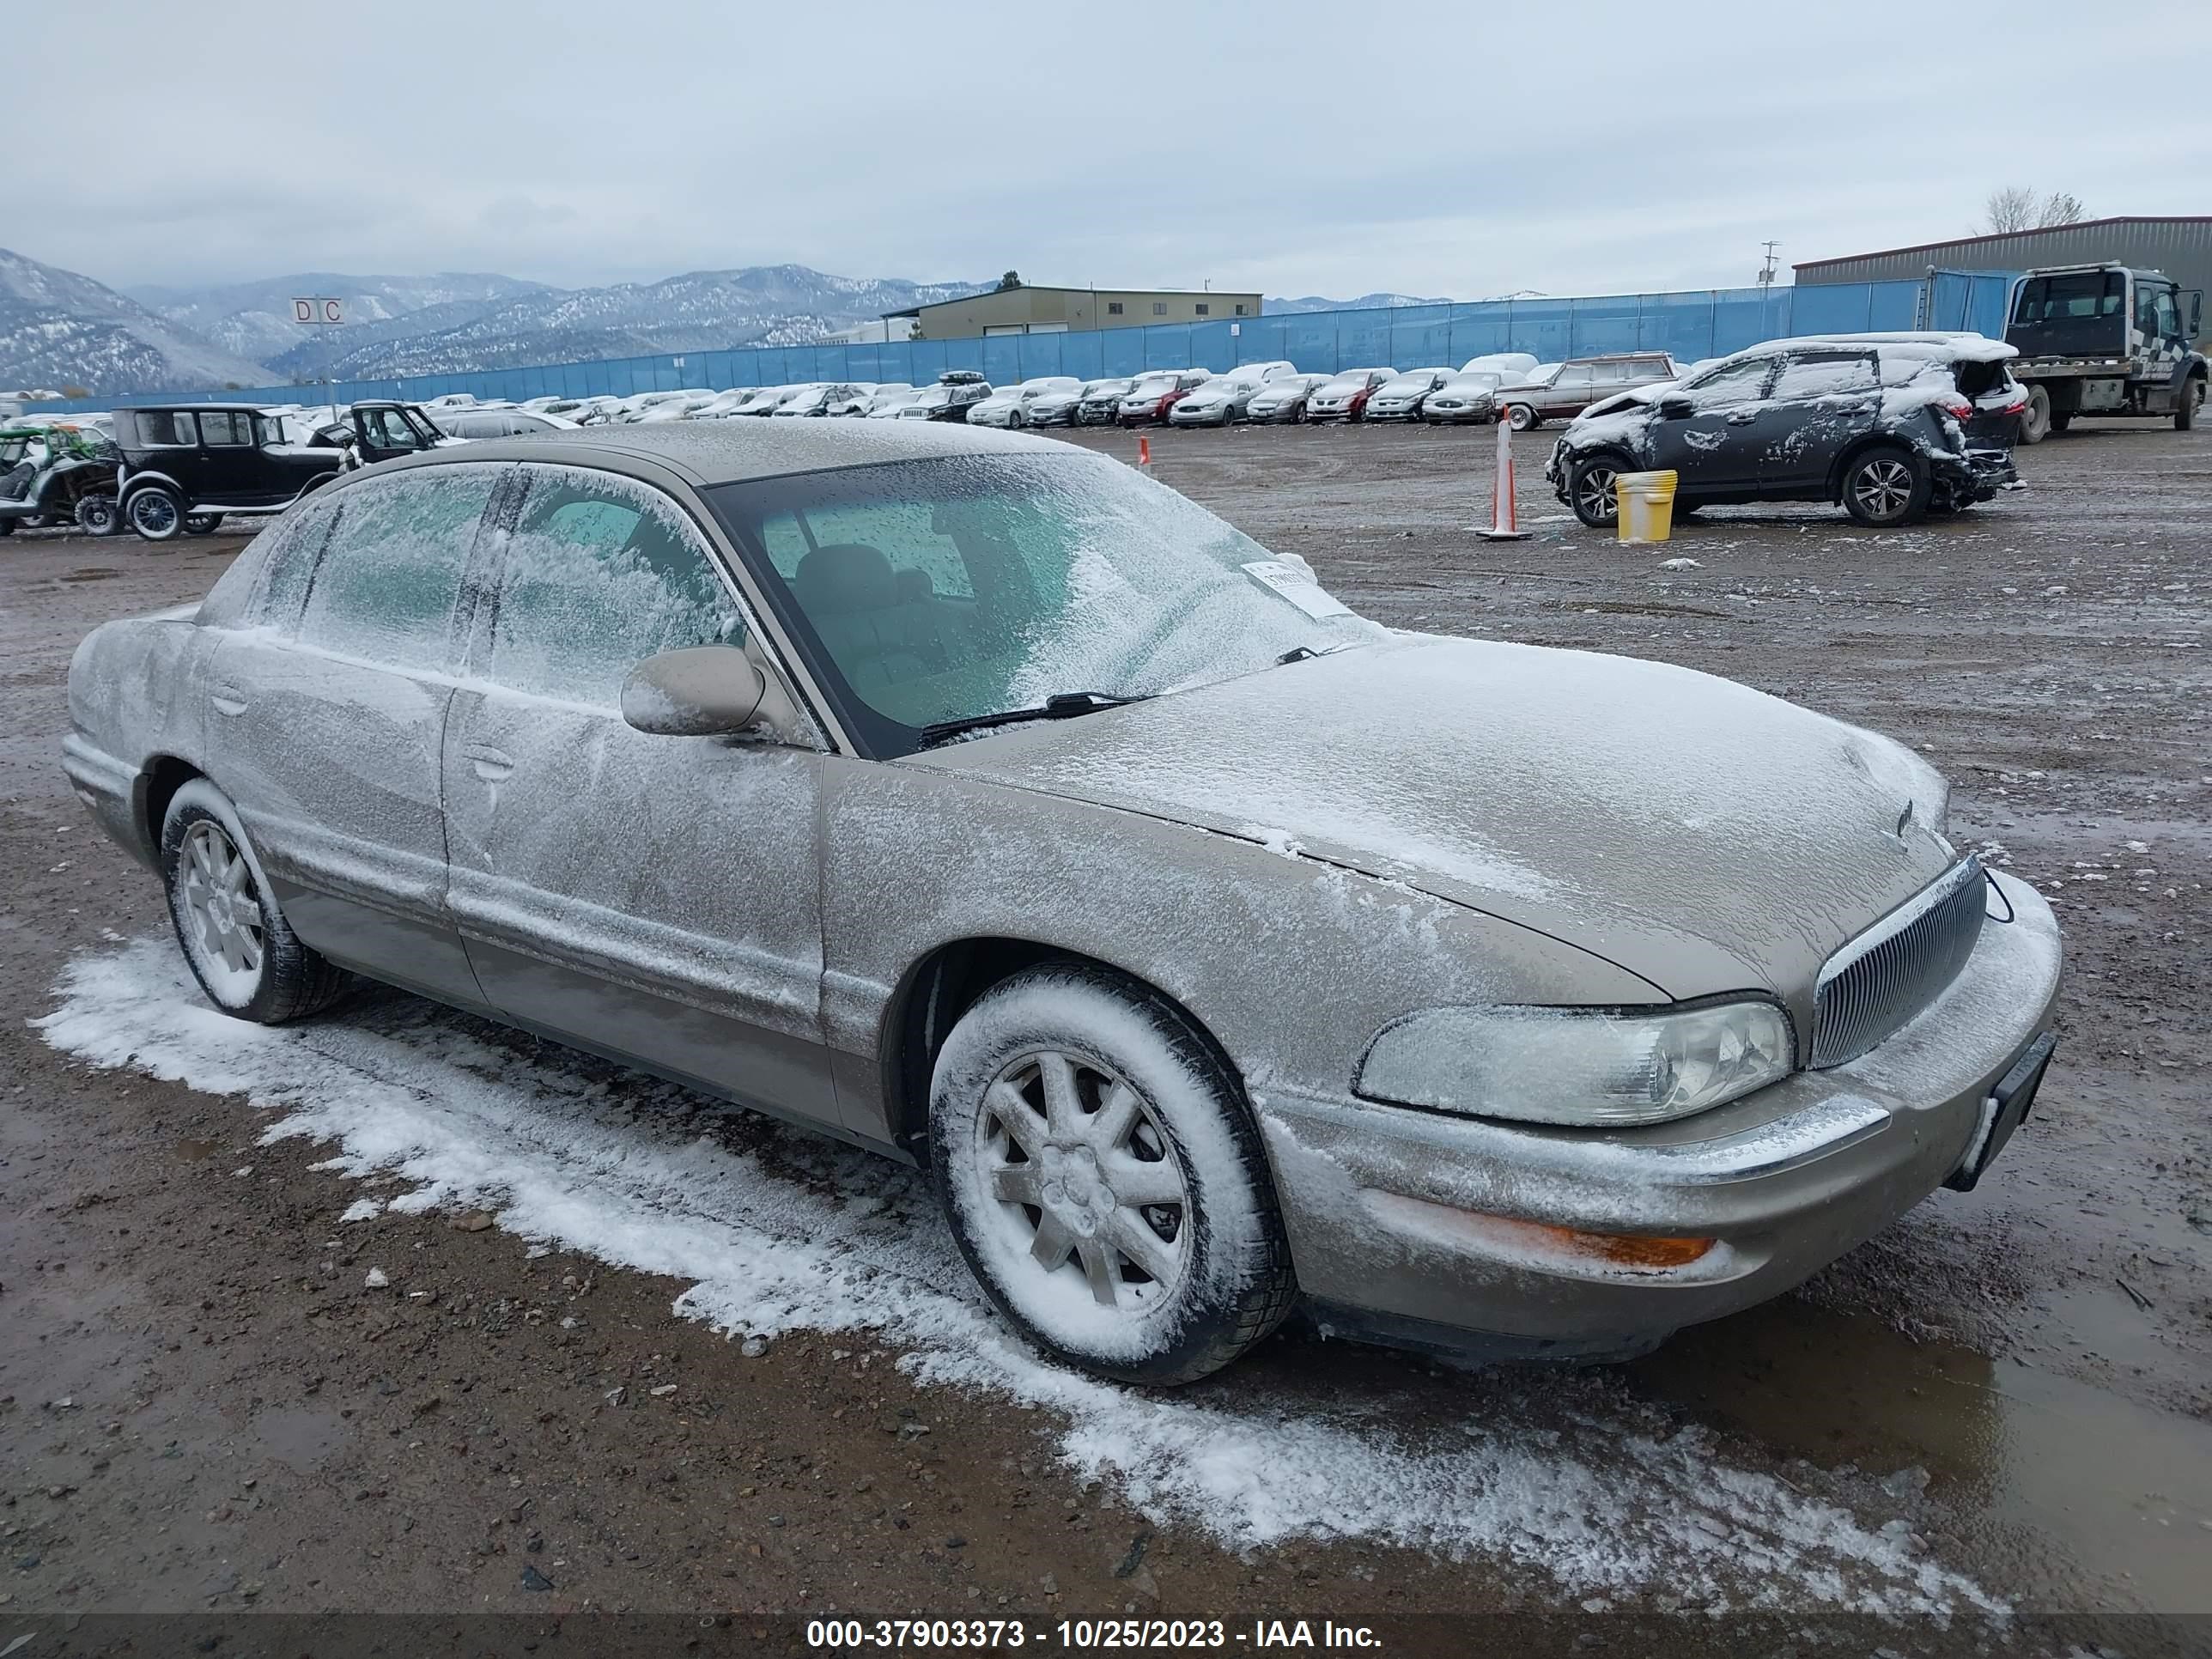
(1060, 405)
(1469, 395)
(1283, 399)
(1217, 402)
(1009, 406)
(1218, 950)
(1891, 426)
(816, 402)
(1401, 397)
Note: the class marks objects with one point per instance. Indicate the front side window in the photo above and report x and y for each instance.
(1823, 374)
(390, 575)
(225, 430)
(1740, 382)
(932, 591)
(389, 429)
(599, 574)
(1573, 377)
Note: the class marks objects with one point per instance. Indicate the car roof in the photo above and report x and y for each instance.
(705, 453)
(1966, 347)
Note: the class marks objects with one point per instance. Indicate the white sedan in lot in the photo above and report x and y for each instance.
(1009, 406)
(1218, 402)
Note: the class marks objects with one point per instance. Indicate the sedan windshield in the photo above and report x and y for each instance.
(1153, 386)
(931, 592)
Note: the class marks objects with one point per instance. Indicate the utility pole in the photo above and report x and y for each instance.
(1766, 270)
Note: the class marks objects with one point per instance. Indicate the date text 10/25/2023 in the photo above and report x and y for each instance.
(1086, 1634)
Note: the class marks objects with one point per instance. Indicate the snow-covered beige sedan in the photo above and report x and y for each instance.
(974, 799)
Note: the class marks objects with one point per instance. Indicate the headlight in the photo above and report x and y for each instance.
(1578, 1066)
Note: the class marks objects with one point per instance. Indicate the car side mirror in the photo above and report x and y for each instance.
(1676, 409)
(697, 691)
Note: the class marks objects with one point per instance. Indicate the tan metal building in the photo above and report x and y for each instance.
(1027, 310)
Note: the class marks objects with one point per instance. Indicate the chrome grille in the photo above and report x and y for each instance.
(1877, 983)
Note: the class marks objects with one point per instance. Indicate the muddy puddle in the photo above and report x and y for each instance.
(2106, 1501)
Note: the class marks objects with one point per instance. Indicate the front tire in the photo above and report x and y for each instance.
(2192, 398)
(236, 941)
(98, 515)
(1593, 491)
(1885, 486)
(1105, 1179)
(155, 513)
(1521, 418)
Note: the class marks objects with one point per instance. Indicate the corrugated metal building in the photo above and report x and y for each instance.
(2181, 247)
(1035, 310)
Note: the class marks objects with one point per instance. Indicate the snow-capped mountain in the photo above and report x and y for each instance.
(60, 329)
(699, 311)
(254, 319)
(1364, 302)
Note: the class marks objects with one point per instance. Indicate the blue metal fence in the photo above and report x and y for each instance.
(1704, 323)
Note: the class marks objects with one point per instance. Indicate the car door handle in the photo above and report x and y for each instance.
(226, 700)
(491, 764)
(1741, 418)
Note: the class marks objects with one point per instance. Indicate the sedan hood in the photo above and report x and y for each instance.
(1698, 833)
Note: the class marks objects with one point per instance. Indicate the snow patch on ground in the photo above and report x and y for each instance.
(781, 1232)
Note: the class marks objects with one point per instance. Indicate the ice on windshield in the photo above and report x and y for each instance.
(940, 590)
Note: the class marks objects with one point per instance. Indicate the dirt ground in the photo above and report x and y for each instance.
(204, 1412)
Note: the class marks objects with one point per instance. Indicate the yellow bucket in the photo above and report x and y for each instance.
(1647, 506)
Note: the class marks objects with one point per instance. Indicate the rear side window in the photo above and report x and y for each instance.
(1824, 375)
(390, 575)
(167, 427)
(599, 574)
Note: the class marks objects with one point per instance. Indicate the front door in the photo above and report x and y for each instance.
(1712, 446)
(1820, 401)
(327, 723)
(655, 898)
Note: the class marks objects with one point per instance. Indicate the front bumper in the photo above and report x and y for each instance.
(1457, 413)
(1393, 1214)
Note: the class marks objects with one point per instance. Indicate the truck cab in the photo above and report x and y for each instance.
(2104, 339)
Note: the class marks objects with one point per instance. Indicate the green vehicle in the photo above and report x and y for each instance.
(58, 475)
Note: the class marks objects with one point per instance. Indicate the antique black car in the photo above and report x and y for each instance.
(201, 461)
(378, 430)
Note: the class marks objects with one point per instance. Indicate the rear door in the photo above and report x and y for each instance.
(655, 898)
(230, 470)
(1820, 401)
(1712, 446)
(327, 723)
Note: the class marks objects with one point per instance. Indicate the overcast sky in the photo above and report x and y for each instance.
(1464, 149)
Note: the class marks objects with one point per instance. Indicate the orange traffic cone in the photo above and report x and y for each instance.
(1504, 522)
(1144, 454)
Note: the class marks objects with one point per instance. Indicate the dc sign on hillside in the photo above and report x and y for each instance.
(318, 311)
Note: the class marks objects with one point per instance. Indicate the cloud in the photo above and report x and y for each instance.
(1297, 148)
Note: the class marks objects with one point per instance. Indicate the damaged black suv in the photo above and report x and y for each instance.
(1891, 426)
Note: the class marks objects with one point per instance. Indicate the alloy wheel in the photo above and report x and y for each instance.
(1883, 488)
(1090, 1190)
(224, 908)
(1597, 493)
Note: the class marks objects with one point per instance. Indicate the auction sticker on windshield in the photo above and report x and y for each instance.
(1309, 595)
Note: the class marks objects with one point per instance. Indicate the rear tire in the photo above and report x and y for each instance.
(2061, 419)
(1885, 486)
(236, 941)
(1105, 1178)
(155, 513)
(2035, 419)
(202, 524)
(98, 515)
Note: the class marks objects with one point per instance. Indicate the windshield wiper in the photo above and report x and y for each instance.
(1060, 706)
